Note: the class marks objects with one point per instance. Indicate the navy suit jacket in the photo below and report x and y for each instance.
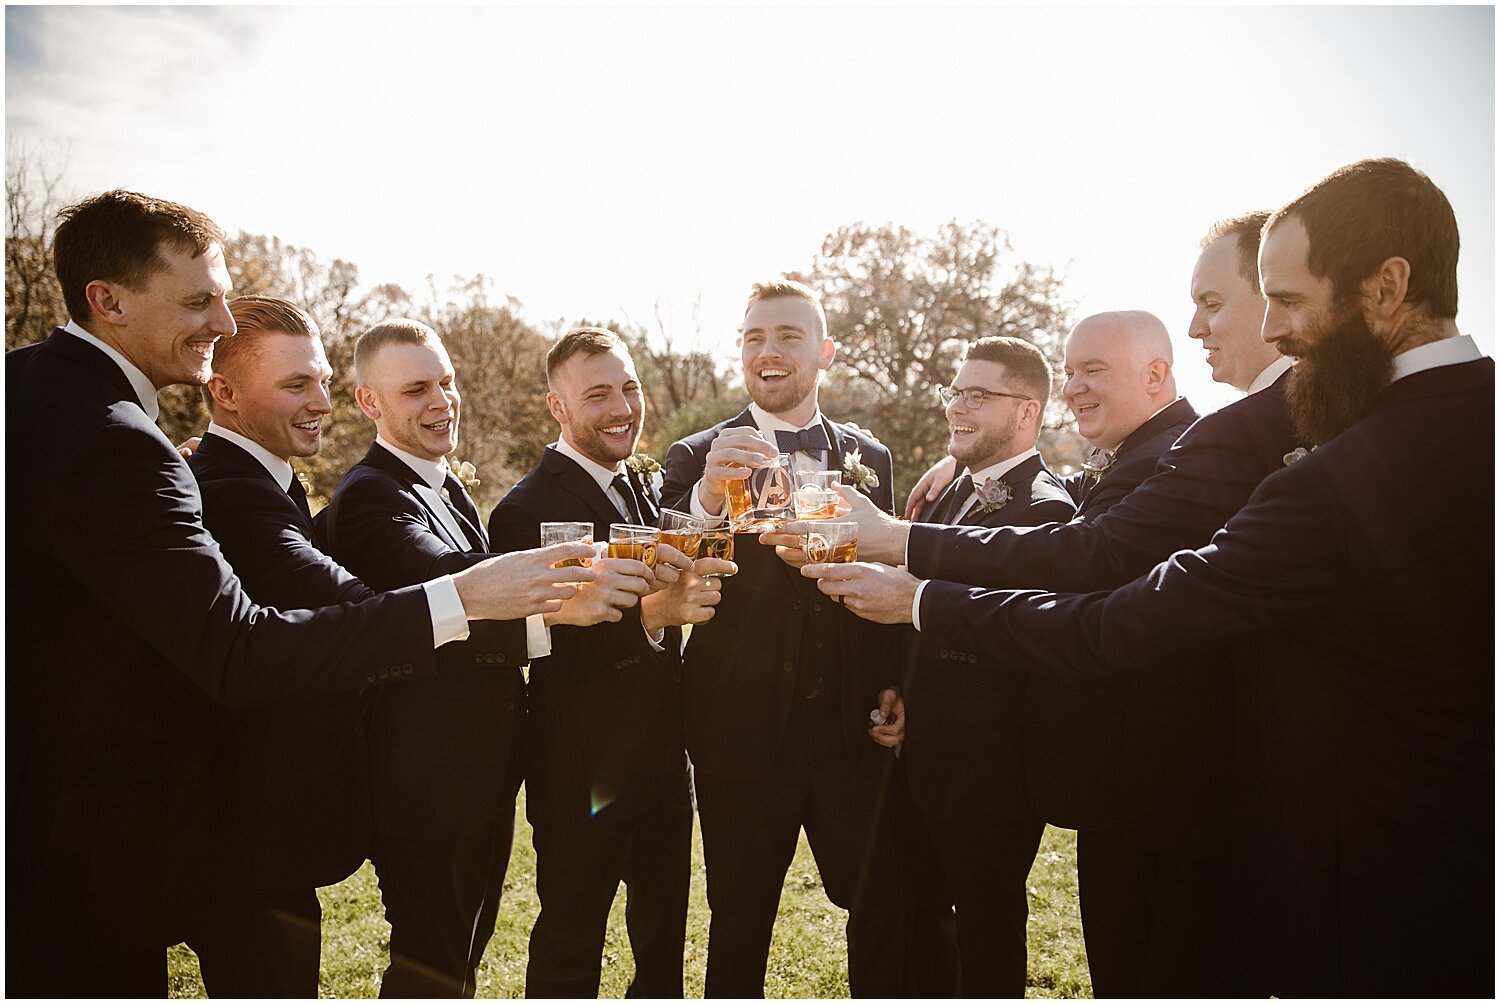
(604, 710)
(446, 750)
(1364, 742)
(741, 668)
(296, 795)
(126, 632)
(1081, 736)
(963, 748)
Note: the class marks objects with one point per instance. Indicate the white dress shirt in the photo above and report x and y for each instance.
(432, 474)
(1270, 374)
(144, 388)
(1443, 352)
(280, 470)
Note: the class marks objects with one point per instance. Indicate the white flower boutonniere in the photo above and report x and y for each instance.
(1296, 455)
(1098, 463)
(993, 493)
(645, 468)
(857, 474)
(466, 473)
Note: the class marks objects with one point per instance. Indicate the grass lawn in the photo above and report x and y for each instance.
(807, 954)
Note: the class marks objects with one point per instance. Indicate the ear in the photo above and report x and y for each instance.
(104, 302)
(1156, 375)
(1385, 291)
(222, 393)
(826, 353)
(368, 403)
(1031, 414)
(555, 406)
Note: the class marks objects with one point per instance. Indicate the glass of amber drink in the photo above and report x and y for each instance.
(762, 501)
(563, 533)
(717, 542)
(815, 497)
(682, 530)
(627, 540)
(837, 542)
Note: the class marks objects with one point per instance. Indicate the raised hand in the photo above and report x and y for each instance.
(618, 584)
(731, 456)
(875, 592)
(689, 600)
(931, 486)
(882, 537)
(522, 583)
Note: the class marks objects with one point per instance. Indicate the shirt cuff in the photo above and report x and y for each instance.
(656, 638)
(696, 507)
(916, 605)
(449, 622)
(538, 638)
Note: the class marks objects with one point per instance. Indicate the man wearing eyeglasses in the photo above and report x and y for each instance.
(962, 753)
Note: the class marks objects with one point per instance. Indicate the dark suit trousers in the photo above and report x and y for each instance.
(261, 942)
(985, 865)
(579, 867)
(441, 898)
(1155, 923)
(750, 836)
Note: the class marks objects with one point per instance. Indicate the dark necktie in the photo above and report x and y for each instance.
(812, 440)
(468, 516)
(298, 495)
(632, 504)
(948, 514)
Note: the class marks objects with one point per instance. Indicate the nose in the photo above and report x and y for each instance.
(1198, 327)
(221, 321)
(321, 403)
(1073, 386)
(1276, 325)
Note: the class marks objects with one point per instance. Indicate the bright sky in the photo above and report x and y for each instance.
(596, 161)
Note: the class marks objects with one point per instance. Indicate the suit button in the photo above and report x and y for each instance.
(817, 644)
(359, 730)
(384, 674)
(973, 657)
(796, 604)
(676, 677)
(500, 657)
(478, 659)
(817, 607)
(406, 667)
(786, 667)
(510, 705)
(407, 671)
(369, 677)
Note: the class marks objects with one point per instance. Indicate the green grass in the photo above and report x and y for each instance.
(807, 953)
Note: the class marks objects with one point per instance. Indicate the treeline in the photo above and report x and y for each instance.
(900, 305)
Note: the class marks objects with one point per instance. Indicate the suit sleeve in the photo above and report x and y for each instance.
(682, 470)
(1200, 483)
(135, 540)
(1277, 563)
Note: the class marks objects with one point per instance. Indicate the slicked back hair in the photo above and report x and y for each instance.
(588, 341)
(776, 289)
(255, 319)
(1024, 363)
(1246, 229)
(1367, 212)
(396, 331)
(117, 237)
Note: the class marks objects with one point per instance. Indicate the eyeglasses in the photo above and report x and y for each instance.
(974, 397)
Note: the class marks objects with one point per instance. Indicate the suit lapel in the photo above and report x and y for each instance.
(1019, 479)
(569, 477)
(382, 459)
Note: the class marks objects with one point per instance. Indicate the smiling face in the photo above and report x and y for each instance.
(411, 395)
(783, 349)
(1110, 387)
(168, 327)
(1300, 306)
(1228, 314)
(596, 398)
(994, 432)
(278, 394)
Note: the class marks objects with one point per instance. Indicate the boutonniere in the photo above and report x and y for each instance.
(1098, 463)
(857, 474)
(993, 493)
(306, 483)
(1296, 455)
(645, 468)
(466, 473)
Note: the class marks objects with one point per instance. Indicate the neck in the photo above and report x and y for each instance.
(229, 422)
(1416, 332)
(113, 337)
(801, 414)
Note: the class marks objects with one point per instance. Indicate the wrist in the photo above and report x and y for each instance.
(653, 613)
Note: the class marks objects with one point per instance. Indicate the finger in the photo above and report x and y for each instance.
(781, 539)
(792, 528)
(666, 554)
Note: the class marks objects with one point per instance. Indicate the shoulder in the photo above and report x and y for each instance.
(698, 442)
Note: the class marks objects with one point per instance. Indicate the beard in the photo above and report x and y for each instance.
(1337, 379)
(997, 445)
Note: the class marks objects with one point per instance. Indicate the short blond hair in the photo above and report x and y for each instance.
(777, 289)
(396, 331)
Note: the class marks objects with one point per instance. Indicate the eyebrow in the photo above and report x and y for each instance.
(779, 327)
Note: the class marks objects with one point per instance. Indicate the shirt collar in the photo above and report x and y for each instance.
(1270, 374)
(144, 388)
(999, 470)
(602, 475)
(1443, 352)
(769, 424)
(280, 470)
(432, 472)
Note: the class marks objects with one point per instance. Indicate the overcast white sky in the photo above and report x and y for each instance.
(594, 161)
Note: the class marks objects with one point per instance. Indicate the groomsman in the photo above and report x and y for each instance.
(1371, 713)
(779, 686)
(606, 775)
(963, 753)
(133, 627)
(295, 793)
(446, 753)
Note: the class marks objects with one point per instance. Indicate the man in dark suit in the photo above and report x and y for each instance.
(962, 752)
(295, 801)
(606, 775)
(779, 686)
(144, 631)
(1364, 737)
(446, 754)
